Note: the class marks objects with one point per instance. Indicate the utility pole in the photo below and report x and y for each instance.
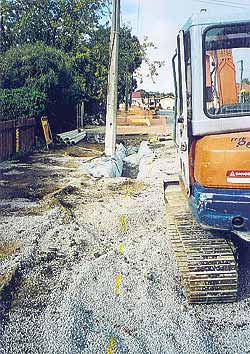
(110, 136)
(126, 91)
(241, 73)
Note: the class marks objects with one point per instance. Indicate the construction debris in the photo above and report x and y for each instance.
(64, 301)
(108, 166)
(71, 137)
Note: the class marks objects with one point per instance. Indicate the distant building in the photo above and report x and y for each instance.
(167, 103)
(244, 86)
(136, 99)
(243, 92)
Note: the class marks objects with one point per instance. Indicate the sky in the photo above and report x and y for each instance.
(161, 20)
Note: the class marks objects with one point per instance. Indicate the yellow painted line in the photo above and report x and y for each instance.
(129, 192)
(154, 140)
(120, 248)
(111, 346)
(123, 223)
(117, 284)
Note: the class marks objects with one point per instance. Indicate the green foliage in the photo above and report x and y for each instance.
(91, 65)
(21, 102)
(246, 81)
(59, 48)
(131, 51)
(63, 24)
(130, 59)
(152, 65)
(37, 66)
(45, 69)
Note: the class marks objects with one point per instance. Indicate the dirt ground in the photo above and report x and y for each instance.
(94, 267)
(138, 122)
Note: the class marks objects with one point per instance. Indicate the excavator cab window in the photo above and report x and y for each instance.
(227, 71)
(176, 95)
(188, 66)
(180, 85)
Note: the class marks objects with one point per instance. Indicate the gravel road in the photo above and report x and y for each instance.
(98, 274)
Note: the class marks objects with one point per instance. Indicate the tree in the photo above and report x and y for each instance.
(246, 81)
(152, 65)
(21, 102)
(63, 24)
(76, 52)
(131, 56)
(46, 69)
(91, 66)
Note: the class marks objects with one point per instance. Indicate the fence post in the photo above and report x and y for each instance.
(16, 136)
(17, 140)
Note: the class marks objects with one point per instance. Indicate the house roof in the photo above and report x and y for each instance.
(136, 95)
(245, 87)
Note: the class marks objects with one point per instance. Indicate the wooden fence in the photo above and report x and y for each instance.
(16, 136)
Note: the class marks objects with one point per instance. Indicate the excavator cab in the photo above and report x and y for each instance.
(212, 120)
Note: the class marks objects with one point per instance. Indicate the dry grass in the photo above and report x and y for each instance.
(7, 249)
(128, 187)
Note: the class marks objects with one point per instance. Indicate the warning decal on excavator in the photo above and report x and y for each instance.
(242, 176)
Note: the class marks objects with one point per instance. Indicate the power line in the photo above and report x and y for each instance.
(138, 16)
(214, 3)
(232, 2)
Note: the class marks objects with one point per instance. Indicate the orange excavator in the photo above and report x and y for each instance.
(210, 206)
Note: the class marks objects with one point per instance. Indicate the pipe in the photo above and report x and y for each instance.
(72, 136)
(75, 131)
(78, 139)
(69, 135)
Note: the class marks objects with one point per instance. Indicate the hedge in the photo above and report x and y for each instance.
(20, 103)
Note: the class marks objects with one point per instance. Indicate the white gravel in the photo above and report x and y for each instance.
(66, 302)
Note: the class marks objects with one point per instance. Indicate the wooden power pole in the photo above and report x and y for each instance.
(110, 136)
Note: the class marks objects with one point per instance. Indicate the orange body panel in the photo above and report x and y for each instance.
(223, 160)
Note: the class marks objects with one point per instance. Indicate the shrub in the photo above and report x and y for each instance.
(43, 69)
(21, 102)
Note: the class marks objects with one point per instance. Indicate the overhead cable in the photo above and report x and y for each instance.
(214, 3)
(230, 2)
(138, 16)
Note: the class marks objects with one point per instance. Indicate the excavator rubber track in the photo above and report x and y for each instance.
(207, 262)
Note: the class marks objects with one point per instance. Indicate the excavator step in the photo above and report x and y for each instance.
(207, 262)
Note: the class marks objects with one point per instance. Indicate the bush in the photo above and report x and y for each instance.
(43, 69)
(21, 102)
